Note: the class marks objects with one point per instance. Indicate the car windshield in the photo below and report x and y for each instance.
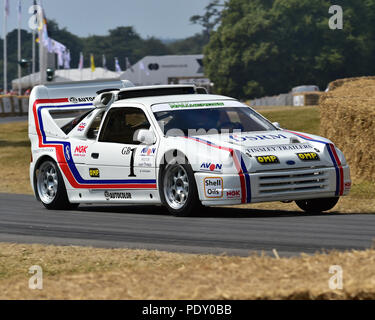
(210, 120)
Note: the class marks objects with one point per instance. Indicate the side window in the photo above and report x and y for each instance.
(92, 133)
(121, 123)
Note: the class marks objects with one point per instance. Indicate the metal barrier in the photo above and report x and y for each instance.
(11, 105)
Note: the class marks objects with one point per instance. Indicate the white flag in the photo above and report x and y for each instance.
(80, 65)
(117, 66)
(67, 59)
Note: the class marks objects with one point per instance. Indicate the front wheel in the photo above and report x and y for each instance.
(317, 205)
(178, 190)
(50, 187)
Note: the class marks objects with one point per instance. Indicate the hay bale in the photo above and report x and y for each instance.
(347, 113)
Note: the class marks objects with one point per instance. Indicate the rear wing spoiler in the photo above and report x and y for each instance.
(64, 98)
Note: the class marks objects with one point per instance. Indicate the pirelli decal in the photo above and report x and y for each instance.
(308, 156)
(267, 159)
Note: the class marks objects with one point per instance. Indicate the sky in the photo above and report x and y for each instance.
(166, 19)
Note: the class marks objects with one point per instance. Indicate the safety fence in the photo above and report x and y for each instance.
(285, 99)
(11, 105)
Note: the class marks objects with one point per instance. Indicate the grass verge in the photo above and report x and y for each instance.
(88, 273)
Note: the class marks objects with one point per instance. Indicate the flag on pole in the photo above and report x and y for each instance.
(104, 62)
(6, 7)
(117, 66)
(92, 62)
(80, 65)
(128, 65)
(19, 10)
(67, 59)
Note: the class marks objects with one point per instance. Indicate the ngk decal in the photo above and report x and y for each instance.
(80, 151)
(213, 187)
(233, 194)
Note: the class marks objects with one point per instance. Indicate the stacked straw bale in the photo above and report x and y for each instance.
(347, 113)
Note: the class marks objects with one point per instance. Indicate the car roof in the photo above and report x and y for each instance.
(150, 101)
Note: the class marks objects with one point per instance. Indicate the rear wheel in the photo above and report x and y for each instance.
(317, 205)
(178, 190)
(50, 187)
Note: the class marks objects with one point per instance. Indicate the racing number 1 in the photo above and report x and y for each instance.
(132, 163)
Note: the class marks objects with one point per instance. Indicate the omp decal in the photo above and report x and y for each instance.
(64, 158)
(267, 159)
(335, 160)
(240, 166)
(94, 173)
(213, 187)
(308, 156)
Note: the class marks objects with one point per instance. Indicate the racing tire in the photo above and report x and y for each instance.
(178, 190)
(50, 187)
(317, 205)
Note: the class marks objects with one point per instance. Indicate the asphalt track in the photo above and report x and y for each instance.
(233, 231)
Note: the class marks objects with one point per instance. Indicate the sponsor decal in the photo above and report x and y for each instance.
(82, 126)
(213, 187)
(126, 150)
(117, 195)
(82, 99)
(267, 159)
(241, 138)
(67, 152)
(36, 151)
(196, 105)
(308, 156)
(80, 151)
(148, 151)
(94, 173)
(234, 194)
(290, 162)
(348, 185)
(214, 167)
(286, 147)
(145, 164)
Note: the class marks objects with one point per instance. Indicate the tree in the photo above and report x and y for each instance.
(210, 19)
(265, 47)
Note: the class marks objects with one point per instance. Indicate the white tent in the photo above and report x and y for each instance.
(65, 75)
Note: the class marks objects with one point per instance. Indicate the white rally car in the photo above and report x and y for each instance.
(113, 143)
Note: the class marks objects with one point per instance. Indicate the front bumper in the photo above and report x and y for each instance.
(274, 185)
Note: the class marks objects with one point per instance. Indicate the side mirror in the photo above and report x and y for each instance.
(277, 125)
(104, 99)
(144, 136)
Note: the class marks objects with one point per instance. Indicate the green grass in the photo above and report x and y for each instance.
(305, 119)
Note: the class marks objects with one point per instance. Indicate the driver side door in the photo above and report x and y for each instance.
(114, 159)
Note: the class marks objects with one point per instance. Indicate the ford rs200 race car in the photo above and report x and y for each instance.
(113, 143)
